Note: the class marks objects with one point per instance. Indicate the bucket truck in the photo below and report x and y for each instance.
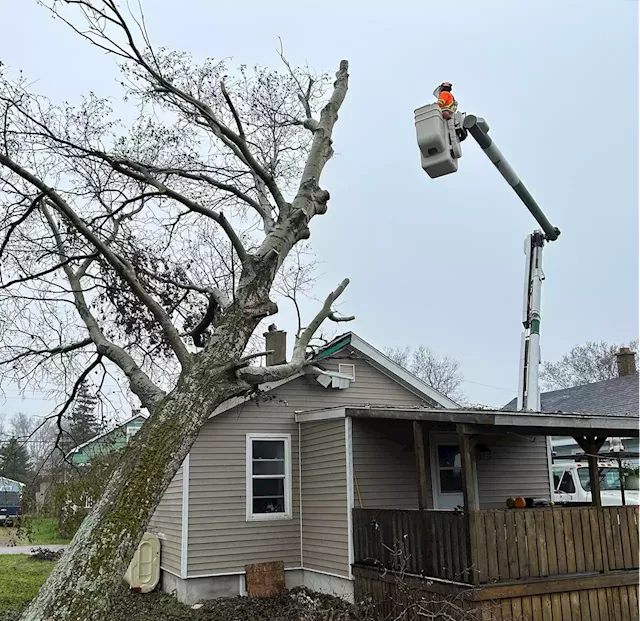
(439, 141)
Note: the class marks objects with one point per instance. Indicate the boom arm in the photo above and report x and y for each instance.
(473, 125)
(439, 143)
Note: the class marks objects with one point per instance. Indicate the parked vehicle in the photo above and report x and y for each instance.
(10, 501)
(572, 485)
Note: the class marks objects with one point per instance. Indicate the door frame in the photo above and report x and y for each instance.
(436, 438)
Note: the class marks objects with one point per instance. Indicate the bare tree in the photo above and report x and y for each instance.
(594, 361)
(152, 249)
(441, 373)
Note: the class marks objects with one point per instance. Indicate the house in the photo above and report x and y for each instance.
(615, 396)
(104, 443)
(325, 472)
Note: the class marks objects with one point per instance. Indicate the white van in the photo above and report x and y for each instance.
(571, 483)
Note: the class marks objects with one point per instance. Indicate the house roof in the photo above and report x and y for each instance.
(609, 397)
(373, 356)
(533, 423)
(385, 365)
(105, 433)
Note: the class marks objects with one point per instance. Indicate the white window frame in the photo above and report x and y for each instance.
(130, 433)
(347, 369)
(447, 468)
(261, 517)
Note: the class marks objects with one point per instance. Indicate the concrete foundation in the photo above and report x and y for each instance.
(193, 590)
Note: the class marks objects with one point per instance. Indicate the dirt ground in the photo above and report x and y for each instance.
(296, 605)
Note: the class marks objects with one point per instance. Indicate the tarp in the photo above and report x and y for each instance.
(9, 485)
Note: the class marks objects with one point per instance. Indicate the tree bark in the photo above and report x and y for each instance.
(91, 569)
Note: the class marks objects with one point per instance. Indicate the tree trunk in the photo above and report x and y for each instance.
(91, 571)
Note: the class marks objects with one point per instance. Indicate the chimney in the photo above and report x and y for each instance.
(626, 360)
(275, 341)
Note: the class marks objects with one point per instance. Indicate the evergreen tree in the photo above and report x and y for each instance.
(14, 461)
(82, 424)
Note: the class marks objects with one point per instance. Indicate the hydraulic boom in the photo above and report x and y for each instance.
(439, 137)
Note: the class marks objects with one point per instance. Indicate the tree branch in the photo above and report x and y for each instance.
(61, 206)
(141, 174)
(52, 351)
(260, 375)
(263, 208)
(148, 393)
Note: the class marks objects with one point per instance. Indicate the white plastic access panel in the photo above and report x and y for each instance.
(143, 574)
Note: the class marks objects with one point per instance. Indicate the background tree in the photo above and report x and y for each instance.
(441, 373)
(150, 249)
(584, 364)
(14, 461)
(83, 423)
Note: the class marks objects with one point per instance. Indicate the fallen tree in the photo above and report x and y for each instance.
(153, 249)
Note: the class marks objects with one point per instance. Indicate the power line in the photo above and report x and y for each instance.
(489, 386)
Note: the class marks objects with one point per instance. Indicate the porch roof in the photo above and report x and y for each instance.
(534, 423)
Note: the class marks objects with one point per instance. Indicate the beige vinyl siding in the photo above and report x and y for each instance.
(220, 538)
(370, 386)
(167, 522)
(518, 467)
(384, 465)
(324, 497)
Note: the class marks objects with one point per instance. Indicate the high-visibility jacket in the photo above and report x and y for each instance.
(446, 101)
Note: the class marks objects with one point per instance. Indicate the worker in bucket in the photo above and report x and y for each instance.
(447, 103)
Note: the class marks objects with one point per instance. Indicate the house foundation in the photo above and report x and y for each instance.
(198, 589)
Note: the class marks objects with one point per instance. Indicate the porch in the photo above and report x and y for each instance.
(478, 562)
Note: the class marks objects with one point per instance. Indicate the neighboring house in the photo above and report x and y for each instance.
(613, 397)
(281, 478)
(106, 442)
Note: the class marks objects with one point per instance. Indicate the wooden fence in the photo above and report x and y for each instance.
(492, 546)
(532, 543)
(598, 597)
(429, 543)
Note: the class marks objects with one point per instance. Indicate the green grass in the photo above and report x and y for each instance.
(32, 531)
(40, 531)
(20, 579)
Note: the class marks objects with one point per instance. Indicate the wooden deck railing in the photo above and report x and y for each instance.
(429, 543)
(501, 546)
(531, 543)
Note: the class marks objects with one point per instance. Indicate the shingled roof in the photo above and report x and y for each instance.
(609, 397)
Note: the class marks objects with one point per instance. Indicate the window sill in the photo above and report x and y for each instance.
(269, 517)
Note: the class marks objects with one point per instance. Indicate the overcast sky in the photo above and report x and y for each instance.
(435, 262)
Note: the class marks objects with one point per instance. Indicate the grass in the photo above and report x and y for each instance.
(32, 531)
(41, 531)
(20, 579)
(21, 576)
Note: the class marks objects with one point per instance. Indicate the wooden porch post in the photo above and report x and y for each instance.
(591, 445)
(422, 455)
(470, 500)
(468, 488)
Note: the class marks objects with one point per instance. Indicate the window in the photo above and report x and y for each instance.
(450, 468)
(609, 479)
(268, 477)
(567, 485)
(131, 431)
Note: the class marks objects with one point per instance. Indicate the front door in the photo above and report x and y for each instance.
(447, 475)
